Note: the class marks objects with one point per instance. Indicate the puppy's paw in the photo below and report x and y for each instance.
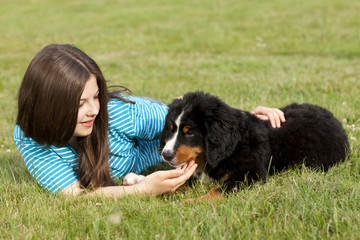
(132, 178)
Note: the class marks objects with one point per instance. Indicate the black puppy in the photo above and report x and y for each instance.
(235, 147)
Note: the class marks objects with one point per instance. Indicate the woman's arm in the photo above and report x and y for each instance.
(51, 167)
(274, 115)
(157, 183)
(112, 191)
(134, 135)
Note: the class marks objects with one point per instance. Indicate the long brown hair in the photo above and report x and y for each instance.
(48, 107)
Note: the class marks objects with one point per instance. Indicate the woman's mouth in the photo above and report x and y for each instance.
(88, 123)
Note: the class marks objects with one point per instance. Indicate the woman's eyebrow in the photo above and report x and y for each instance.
(97, 93)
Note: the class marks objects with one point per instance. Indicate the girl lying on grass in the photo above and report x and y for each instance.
(75, 135)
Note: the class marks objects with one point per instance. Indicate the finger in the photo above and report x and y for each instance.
(189, 165)
(185, 166)
(262, 117)
(187, 174)
(277, 120)
(271, 119)
(170, 173)
(281, 115)
(177, 182)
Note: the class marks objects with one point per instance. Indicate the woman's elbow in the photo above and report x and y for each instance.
(73, 189)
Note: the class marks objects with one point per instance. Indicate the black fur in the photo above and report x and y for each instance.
(238, 146)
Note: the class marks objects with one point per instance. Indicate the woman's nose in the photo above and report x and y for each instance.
(94, 108)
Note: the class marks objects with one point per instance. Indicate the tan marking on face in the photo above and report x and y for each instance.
(171, 126)
(186, 129)
(186, 154)
(200, 160)
(165, 133)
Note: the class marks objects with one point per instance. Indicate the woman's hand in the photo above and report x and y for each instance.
(274, 115)
(161, 182)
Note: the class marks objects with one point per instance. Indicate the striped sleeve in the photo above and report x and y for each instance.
(50, 170)
(134, 132)
(149, 119)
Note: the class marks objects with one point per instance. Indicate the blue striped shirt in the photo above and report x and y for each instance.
(134, 135)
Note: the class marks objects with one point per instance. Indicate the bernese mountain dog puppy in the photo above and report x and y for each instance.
(235, 147)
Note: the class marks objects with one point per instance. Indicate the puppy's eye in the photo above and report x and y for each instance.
(187, 131)
(189, 134)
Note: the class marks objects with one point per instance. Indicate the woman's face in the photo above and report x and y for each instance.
(89, 107)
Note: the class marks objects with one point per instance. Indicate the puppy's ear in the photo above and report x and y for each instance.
(221, 139)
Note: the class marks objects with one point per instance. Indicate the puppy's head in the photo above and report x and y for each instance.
(198, 127)
(182, 139)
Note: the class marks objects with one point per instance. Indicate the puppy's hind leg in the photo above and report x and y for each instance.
(212, 196)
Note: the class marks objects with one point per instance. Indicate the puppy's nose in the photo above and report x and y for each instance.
(168, 155)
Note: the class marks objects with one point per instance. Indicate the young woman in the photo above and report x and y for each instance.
(74, 134)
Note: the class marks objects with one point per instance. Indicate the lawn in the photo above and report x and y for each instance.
(248, 53)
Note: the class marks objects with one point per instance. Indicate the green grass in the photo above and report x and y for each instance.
(248, 53)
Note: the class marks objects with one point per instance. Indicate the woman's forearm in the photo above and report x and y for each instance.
(116, 191)
(111, 191)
